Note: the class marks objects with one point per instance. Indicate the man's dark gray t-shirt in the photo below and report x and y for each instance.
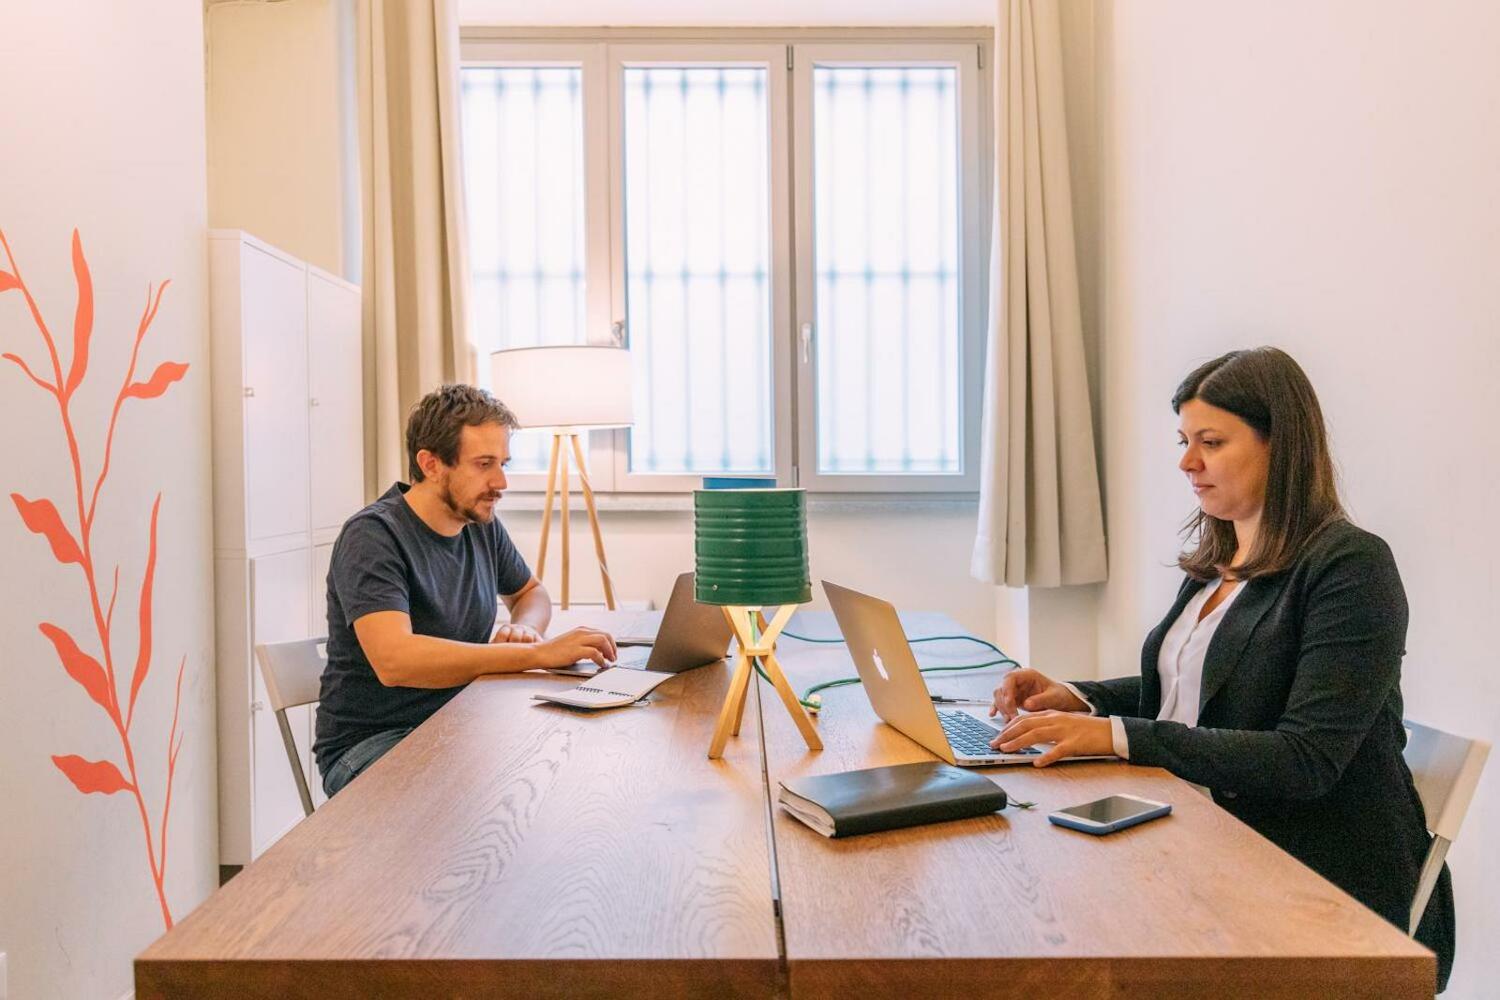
(388, 559)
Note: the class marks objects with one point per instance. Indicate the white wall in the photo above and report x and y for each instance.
(1321, 177)
(102, 127)
(280, 127)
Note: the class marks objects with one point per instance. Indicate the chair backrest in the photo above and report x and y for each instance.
(1446, 770)
(293, 673)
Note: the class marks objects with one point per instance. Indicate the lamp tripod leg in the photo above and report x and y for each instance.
(541, 558)
(733, 702)
(742, 697)
(588, 500)
(566, 503)
(789, 699)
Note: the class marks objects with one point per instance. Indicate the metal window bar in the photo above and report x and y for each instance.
(886, 262)
(524, 187)
(697, 268)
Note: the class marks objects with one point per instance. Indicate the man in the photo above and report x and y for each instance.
(412, 590)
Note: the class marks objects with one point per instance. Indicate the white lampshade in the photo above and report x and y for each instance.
(568, 386)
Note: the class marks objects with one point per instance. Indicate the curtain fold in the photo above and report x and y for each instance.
(415, 264)
(1040, 517)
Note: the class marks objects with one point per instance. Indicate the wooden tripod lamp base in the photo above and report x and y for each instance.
(757, 645)
(558, 467)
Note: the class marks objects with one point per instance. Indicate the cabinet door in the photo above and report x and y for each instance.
(335, 406)
(279, 609)
(274, 341)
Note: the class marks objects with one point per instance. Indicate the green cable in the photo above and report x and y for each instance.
(806, 699)
(929, 638)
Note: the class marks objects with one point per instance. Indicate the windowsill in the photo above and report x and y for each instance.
(816, 502)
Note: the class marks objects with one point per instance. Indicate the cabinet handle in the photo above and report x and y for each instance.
(257, 706)
(806, 339)
(249, 391)
(313, 401)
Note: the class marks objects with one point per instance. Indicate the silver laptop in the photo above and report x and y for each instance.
(684, 635)
(889, 674)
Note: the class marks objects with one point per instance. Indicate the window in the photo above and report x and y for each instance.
(523, 178)
(789, 238)
(697, 267)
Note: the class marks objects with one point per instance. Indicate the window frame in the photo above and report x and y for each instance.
(971, 307)
(789, 54)
(589, 57)
(621, 56)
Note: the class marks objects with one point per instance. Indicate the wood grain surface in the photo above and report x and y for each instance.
(1195, 904)
(508, 848)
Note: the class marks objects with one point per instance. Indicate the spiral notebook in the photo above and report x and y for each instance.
(610, 688)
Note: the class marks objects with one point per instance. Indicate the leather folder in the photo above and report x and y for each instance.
(884, 798)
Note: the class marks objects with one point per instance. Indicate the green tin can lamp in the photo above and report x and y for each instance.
(751, 553)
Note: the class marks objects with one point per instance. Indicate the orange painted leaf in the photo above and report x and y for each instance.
(80, 666)
(8, 281)
(143, 655)
(83, 318)
(92, 775)
(41, 517)
(21, 364)
(166, 373)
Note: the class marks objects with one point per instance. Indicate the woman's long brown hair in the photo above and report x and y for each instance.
(1265, 388)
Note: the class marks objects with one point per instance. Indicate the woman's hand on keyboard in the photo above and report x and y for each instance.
(1070, 735)
(1033, 691)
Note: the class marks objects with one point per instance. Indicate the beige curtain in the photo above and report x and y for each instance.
(1040, 517)
(415, 269)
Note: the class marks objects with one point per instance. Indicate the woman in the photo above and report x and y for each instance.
(1274, 680)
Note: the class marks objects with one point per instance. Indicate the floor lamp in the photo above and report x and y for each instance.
(569, 390)
(751, 552)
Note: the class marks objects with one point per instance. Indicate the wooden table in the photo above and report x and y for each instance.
(509, 849)
(506, 849)
(1195, 905)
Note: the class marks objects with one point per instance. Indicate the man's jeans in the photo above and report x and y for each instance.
(359, 757)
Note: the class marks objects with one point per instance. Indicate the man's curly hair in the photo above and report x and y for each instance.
(440, 416)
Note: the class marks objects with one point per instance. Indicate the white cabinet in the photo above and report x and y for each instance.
(337, 391)
(288, 469)
(274, 393)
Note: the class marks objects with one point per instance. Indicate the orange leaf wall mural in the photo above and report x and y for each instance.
(93, 668)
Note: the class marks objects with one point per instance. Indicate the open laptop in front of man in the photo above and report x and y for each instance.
(685, 635)
(889, 673)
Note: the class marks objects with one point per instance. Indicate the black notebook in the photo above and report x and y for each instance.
(883, 798)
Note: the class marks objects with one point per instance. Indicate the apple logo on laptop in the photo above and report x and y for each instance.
(879, 666)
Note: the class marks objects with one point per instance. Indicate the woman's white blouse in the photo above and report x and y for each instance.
(1180, 664)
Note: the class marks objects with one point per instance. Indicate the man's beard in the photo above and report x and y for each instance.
(471, 514)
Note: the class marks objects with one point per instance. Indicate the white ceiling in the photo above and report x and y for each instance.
(724, 13)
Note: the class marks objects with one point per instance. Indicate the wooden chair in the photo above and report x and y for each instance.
(293, 672)
(1446, 770)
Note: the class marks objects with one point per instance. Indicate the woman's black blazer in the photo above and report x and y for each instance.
(1299, 727)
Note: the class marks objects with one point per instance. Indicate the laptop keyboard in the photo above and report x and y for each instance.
(971, 738)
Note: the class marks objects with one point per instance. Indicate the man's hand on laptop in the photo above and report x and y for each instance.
(574, 645)
(516, 633)
(1033, 691)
